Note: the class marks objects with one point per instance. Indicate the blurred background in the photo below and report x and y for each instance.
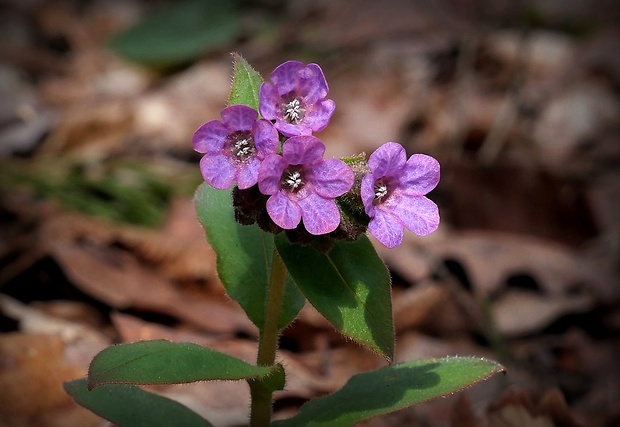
(99, 242)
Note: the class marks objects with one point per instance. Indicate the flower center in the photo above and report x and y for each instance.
(380, 190)
(292, 180)
(242, 146)
(293, 111)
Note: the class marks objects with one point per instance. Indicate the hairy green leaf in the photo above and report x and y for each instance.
(349, 285)
(245, 84)
(244, 254)
(165, 362)
(392, 388)
(130, 406)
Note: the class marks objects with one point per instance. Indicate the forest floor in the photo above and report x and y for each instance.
(519, 101)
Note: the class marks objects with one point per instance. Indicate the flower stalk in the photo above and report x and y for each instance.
(261, 395)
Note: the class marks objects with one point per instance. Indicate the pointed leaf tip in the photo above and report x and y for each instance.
(391, 388)
(246, 82)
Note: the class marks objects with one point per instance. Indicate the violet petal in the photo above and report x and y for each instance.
(386, 228)
(286, 76)
(265, 138)
(239, 117)
(418, 213)
(290, 130)
(283, 211)
(387, 160)
(313, 85)
(210, 137)
(368, 193)
(218, 171)
(318, 117)
(268, 101)
(303, 150)
(420, 175)
(332, 178)
(270, 174)
(320, 215)
(247, 174)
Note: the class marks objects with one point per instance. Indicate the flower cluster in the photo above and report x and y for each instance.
(284, 182)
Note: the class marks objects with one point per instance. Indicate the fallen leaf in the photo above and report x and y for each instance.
(32, 370)
(515, 408)
(518, 312)
(89, 252)
(491, 258)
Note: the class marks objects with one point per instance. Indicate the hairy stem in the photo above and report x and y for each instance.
(268, 343)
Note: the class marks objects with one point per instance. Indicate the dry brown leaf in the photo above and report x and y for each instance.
(463, 413)
(82, 340)
(166, 118)
(554, 405)
(417, 306)
(91, 254)
(379, 110)
(573, 118)
(179, 250)
(515, 408)
(412, 260)
(518, 312)
(546, 54)
(490, 259)
(32, 370)
(517, 198)
(133, 329)
(222, 403)
(568, 282)
(93, 132)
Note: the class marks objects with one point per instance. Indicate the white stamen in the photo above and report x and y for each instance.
(243, 147)
(294, 180)
(380, 190)
(292, 111)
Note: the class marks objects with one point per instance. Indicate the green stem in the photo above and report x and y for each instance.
(268, 343)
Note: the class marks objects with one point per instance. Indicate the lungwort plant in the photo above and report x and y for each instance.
(289, 225)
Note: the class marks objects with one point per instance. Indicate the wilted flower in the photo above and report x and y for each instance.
(303, 185)
(234, 147)
(393, 194)
(295, 99)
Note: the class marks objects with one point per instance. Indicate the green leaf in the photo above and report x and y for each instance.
(130, 406)
(349, 285)
(274, 381)
(179, 32)
(392, 388)
(244, 254)
(245, 84)
(165, 362)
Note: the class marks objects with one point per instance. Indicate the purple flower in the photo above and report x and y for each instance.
(393, 194)
(235, 147)
(303, 185)
(295, 99)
